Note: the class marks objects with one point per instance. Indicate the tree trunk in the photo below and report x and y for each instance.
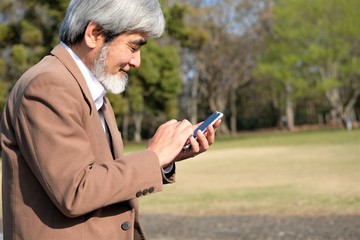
(138, 118)
(233, 117)
(289, 109)
(194, 100)
(125, 127)
(219, 104)
(346, 113)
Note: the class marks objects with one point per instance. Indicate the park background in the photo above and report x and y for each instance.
(286, 75)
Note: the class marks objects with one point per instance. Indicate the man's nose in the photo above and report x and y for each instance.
(136, 59)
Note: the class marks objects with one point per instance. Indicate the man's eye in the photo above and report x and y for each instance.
(133, 49)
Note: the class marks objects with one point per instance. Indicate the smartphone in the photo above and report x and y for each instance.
(203, 126)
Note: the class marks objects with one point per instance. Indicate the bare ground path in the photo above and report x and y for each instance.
(171, 227)
(252, 227)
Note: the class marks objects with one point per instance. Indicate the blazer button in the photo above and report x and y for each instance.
(151, 190)
(138, 194)
(125, 226)
(145, 192)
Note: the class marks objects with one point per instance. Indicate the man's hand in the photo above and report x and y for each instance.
(169, 140)
(171, 136)
(201, 144)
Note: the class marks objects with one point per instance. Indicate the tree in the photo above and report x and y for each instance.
(224, 62)
(313, 48)
(333, 55)
(184, 31)
(28, 29)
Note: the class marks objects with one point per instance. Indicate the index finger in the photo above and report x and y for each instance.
(217, 124)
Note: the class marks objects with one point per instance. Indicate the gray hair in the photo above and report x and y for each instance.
(113, 17)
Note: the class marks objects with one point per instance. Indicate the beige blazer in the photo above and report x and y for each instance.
(61, 180)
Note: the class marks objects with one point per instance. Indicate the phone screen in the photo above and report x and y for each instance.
(203, 126)
(209, 121)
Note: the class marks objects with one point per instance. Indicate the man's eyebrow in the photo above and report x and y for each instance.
(140, 42)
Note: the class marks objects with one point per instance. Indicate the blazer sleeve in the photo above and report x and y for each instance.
(57, 139)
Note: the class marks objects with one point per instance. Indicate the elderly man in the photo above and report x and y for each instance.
(64, 172)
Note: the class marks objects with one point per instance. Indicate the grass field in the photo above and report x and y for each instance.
(304, 173)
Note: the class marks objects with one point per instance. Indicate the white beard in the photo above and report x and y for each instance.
(112, 83)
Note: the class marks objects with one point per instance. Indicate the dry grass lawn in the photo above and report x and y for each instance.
(277, 177)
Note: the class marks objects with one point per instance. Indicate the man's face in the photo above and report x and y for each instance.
(116, 58)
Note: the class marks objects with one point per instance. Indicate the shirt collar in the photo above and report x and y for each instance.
(97, 90)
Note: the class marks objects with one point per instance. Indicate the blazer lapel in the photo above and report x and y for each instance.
(66, 59)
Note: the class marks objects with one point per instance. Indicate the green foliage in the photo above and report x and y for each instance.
(2, 67)
(29, 30)
(156, 84)
(30, 34)
(135, 95)
(313, 46)
(4, 3)
(3, 95)
(175, 21)
(19, 55)
(190, 34)
(5, 34)
(119, 104)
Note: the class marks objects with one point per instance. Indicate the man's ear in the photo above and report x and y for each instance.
(93, 35)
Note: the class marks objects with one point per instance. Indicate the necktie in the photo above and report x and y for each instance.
(115, 139)
(105, 121)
